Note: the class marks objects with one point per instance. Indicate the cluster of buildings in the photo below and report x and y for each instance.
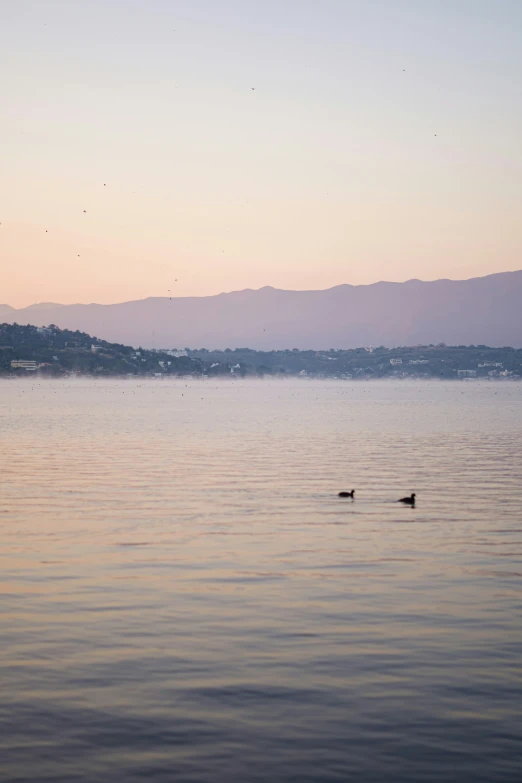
(498, 372)
(24, 364)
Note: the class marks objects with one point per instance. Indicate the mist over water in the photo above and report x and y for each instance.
(184, 597)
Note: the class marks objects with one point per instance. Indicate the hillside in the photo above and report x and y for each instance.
(26, 350)
(60, 352)
(483, 310)
(421, 361)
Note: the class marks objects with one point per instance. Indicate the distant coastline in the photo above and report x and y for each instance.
(28, 351)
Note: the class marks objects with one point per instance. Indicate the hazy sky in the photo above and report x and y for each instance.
(383, 140)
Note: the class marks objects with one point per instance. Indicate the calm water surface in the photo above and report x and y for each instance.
(184, 598)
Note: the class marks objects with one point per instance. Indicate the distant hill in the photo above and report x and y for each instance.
(483, 310)
(26, 349)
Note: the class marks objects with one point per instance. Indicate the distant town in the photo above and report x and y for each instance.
(48, 351)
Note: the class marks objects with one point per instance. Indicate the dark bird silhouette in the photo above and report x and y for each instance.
(85, 210)
(410, 501)
(347, 494)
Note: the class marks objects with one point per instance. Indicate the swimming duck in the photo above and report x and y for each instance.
(347, 494)
(410, 501)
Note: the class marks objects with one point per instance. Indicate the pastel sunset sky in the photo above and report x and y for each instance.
(168, 147)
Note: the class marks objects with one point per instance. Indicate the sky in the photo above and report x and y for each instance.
(184, 148)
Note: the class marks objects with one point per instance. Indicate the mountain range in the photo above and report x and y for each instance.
(482, 310)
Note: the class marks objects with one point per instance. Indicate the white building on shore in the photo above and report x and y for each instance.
(24, 364)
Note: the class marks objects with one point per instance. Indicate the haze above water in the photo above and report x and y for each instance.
(184, 597)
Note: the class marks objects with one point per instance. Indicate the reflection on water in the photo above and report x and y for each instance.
(184, 596)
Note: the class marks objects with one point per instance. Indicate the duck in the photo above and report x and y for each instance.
(410, 501)
(347, 494)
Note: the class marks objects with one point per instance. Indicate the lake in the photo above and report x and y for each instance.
(185, 598)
